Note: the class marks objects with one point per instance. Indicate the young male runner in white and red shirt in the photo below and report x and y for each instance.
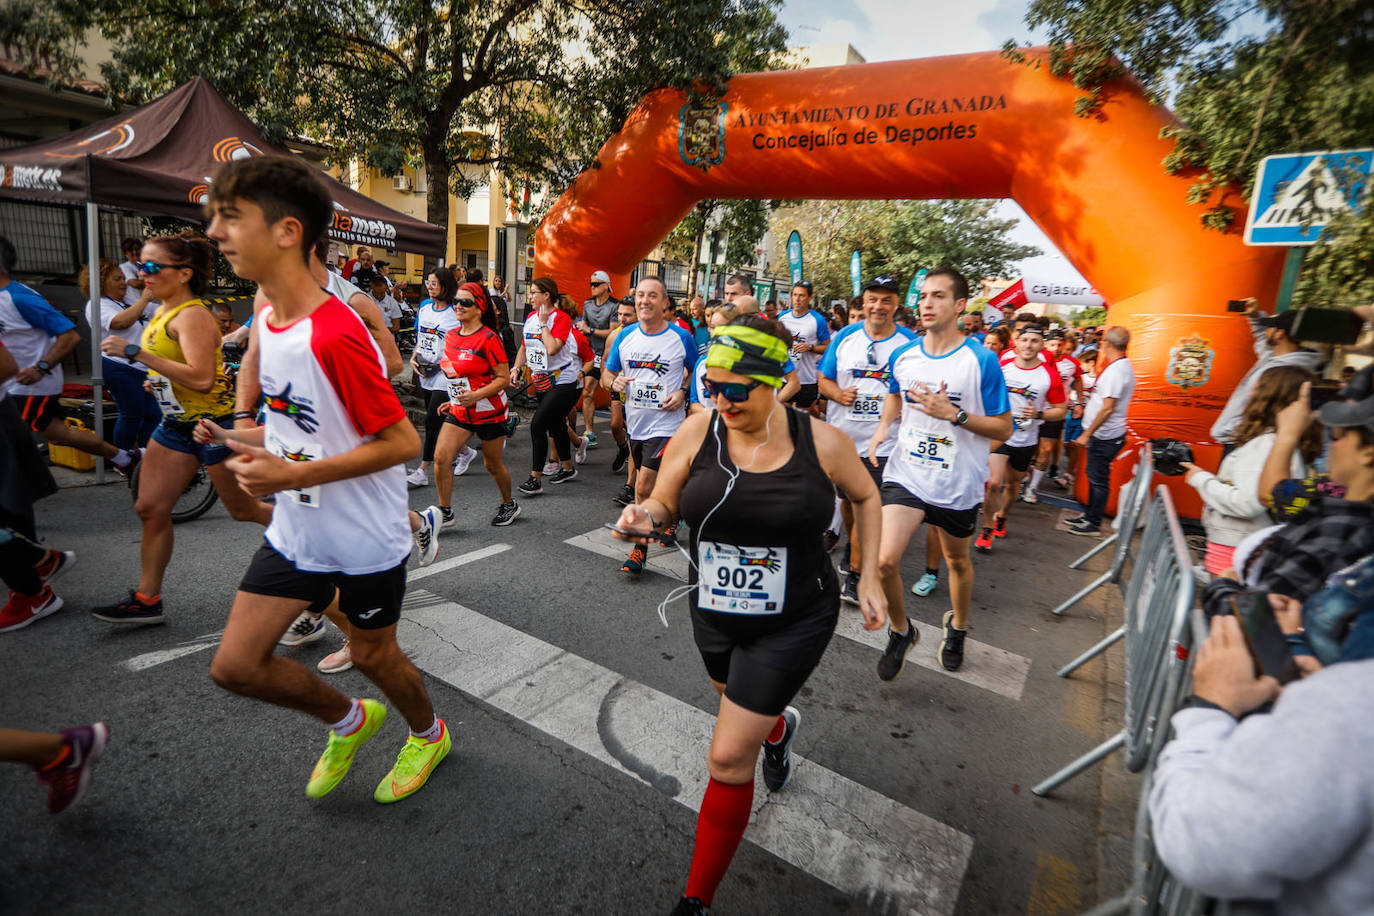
(333, 450)
(1037, 396)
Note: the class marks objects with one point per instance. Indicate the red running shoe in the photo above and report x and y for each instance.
(23, 610)
(999, 526)
(68, 777)
(984, 542)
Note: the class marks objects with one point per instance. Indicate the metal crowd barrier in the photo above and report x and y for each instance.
(1134, 495)
(1159, 638)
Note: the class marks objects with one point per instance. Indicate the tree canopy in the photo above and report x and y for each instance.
(743, 222)
(898, 238)
(531, 87)
(1247, 79)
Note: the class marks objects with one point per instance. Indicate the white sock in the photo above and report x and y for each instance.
(1036, 475)
(351, 722)
(123, 458)
(432, 733)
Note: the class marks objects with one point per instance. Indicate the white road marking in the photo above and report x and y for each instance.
(845, 834)
(162, 656)
(985, 666)
(454, 562)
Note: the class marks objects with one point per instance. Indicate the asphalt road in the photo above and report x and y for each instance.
(199, 802)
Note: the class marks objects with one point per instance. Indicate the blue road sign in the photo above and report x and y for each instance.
(1296, 194)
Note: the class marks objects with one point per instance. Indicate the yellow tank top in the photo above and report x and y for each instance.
(176, 400)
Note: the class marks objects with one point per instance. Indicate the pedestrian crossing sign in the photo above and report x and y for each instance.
(1297, 194)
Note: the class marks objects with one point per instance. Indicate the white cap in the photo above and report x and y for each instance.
(600, 276)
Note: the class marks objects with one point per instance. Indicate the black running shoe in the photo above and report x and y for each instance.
(622, 455)
(849, 592)
(691, 906)
(508, 513)
(777, 758)
(894, 657)
(564, 475)
(951, 644)
(626, 496)
(130, 611)
(531, 487)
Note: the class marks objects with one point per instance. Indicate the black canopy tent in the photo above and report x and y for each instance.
(159, 158)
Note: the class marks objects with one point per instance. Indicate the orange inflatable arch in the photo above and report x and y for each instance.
(965, 126)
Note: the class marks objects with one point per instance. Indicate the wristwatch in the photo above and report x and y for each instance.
(960, 418)
(1040, 415)
(132, 350)
(43, 366)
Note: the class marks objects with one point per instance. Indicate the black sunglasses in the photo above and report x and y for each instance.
(461, 300)
(734, 392)
(153, 267)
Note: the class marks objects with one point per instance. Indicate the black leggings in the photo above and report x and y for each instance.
(18, 556)
(551, 419)
(433, 422)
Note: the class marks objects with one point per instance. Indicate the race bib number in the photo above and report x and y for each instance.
(536, 356)
(457, 387)
(867, 408)
(430, 346)
(647, 395)
(166, 398)
(307, 496)
(596, 362)
(928, 451)
(742, 580)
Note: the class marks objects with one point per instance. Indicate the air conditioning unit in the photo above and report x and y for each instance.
(401, 183)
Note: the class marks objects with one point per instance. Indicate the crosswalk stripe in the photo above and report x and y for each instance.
(454, 562)
(856, 840)
(985, 666)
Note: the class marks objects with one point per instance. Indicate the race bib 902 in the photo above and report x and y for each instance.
(742, 580)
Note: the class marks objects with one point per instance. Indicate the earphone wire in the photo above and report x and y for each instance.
(682, 591)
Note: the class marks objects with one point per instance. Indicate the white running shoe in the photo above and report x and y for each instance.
(307, 629)
(551, 467)
(464, 459)
(580, 455)
(338, 661)
(426, 539)
(418, 478)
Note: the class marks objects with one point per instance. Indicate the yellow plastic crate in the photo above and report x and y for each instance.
(69, 457)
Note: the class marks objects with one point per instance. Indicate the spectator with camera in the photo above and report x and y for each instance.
(1274, 347)
(1233, 501)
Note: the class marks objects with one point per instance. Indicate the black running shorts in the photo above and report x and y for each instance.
(806, 396)
(875, 473)
(648, 453)
(958, 523)
(1020, 456)
(763, 666)
(370, 602)
(1052, 429)
(485, 432)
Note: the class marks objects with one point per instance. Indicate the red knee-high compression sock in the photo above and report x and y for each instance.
(720, 827)
(779, 731)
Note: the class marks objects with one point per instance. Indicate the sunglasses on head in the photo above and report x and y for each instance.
(734, 392)
(153, 267)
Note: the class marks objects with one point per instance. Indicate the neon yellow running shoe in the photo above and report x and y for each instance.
(417, 760)
(339, 753)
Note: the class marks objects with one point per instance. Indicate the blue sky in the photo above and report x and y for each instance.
(901, 29)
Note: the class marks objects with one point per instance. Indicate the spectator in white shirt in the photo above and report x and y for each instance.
(133, 280)
(391, 309)
(1104, 425)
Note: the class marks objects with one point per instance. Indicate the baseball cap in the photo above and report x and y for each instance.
(1358, 409)
(889, 284)
(600, 276)
(1283, 321)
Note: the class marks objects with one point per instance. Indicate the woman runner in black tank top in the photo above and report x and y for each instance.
(755, 481)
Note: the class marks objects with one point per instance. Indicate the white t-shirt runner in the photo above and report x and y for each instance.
(1036, 388)
(28, 326)
(940, 463)
(1115, 381)
(562, 365)
(856, 360)
(431, 326)
(654, 365)
(810, 328)
(326, 392)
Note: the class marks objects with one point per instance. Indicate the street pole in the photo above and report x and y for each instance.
(93, 319)
(1292, 264)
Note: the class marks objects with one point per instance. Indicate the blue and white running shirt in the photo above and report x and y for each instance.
(855, 360)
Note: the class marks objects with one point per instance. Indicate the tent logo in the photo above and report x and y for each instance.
(30, 178)
(199, 194)
(701, 135)
(234, 148)
(1190, 363)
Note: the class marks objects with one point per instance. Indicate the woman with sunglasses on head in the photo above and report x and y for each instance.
(553, 369)
(181, 348)
(476, 375)
(433, 321)
(756, 484)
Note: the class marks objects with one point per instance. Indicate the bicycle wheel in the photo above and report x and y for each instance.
(194, 501)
